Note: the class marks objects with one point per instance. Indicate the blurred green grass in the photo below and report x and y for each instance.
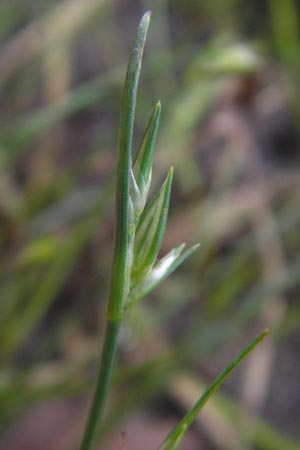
(227, 73)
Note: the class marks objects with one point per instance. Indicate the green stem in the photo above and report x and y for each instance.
(108, 355)
(124, 235)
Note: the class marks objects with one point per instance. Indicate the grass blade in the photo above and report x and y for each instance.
(173, 439)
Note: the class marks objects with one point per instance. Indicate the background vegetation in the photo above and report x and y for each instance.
(227, 74)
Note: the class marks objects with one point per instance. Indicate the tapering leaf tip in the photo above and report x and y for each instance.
(167, 184)
(170, 174)
(147, 15)
(145, 20)
(163, 268)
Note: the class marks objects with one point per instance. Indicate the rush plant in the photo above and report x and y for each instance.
(139, 231)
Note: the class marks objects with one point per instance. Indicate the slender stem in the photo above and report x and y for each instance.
(124, 236)
(108, 355)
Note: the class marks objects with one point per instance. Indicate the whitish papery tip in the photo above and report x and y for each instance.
(147, 16)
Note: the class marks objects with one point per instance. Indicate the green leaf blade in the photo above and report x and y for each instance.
(173, 439)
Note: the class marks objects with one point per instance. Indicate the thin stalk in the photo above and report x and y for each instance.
(124, 236)
(108, 352)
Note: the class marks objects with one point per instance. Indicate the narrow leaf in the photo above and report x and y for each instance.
(167, 265)
(151, 229)
(173, 439)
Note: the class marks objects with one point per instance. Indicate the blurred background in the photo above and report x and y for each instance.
(227, 73)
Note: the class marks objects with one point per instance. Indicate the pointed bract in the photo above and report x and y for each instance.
(164, 267)
(151, 229)
(142, 167)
